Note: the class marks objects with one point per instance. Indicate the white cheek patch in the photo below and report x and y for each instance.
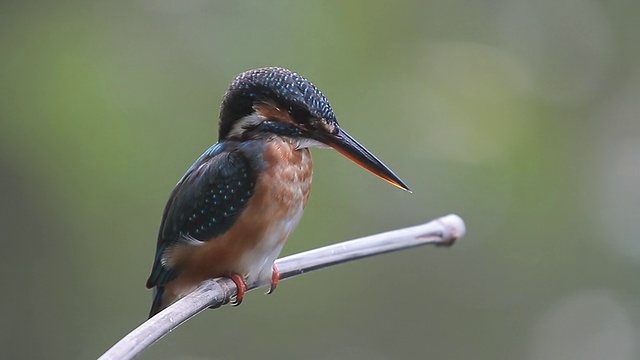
(246, 122)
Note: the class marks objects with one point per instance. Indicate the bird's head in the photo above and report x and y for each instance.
(273, 101)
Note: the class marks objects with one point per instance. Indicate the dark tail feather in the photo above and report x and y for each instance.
(158, 303)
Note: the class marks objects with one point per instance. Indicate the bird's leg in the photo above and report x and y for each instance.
(241, 284)
(275, 277)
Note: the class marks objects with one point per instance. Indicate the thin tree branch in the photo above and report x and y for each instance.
(217, 292)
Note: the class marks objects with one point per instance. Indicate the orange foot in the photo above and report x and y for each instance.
(275, 277)
(241, 284)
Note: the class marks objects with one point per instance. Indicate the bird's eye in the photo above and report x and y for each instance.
(299, 115)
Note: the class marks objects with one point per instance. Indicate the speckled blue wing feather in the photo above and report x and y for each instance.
(204, 204)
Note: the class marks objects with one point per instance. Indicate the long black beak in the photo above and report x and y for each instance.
(349, 147)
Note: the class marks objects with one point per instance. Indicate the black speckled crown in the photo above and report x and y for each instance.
(285, 87)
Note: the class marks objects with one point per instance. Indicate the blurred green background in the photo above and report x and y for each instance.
(521, 116)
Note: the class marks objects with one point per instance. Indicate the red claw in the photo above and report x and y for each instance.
(275, 277)
(241, 284)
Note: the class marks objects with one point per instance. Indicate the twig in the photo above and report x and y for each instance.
(217, 292)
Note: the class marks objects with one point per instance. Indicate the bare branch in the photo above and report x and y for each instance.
(217, 292)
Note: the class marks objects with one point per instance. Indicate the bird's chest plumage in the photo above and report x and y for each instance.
(254, 241)
(281, 193)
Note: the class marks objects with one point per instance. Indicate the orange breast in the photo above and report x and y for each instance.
(254, 241)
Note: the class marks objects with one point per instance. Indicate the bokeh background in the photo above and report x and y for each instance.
(522, 116)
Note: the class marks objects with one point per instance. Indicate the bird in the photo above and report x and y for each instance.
(232, 211)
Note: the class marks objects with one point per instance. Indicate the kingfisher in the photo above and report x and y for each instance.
(234, 208)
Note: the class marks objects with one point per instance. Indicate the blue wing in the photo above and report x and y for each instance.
(204, 204)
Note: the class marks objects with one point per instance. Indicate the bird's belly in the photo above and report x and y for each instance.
(256, 263)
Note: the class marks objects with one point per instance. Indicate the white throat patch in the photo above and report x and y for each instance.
(306, 143)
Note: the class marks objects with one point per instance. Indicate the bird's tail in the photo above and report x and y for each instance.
(159, 302)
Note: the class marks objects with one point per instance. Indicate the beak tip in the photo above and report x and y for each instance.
(404, 187)
(349, 147)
